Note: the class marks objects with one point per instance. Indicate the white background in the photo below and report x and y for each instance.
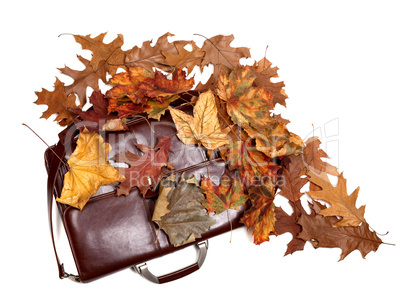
(341, 62)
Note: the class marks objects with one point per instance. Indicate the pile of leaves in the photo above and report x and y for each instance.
(232, 116)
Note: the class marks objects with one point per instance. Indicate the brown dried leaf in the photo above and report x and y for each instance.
(320, 231)
(58, 103)
(89, 77)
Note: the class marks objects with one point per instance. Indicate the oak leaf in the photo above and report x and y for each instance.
(321, 232)
(58, 103)
(291, 178)
(260, 217)
(219, 52)
(228, 195)
(109, 54)
(186, 218)
(150, 57)
(145, 171)
(289, 223)
(89, 169)
(312, 155)
(183, 58)
(203, 128)
(264, 72)
(89, 77)
(342, 204)
(246, 104)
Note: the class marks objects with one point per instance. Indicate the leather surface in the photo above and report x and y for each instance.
(113, 233)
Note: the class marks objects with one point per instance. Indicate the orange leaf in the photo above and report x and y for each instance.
(160, 86)
(228, 195)
(261, 215)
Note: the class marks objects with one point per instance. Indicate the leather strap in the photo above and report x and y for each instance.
(54, 168)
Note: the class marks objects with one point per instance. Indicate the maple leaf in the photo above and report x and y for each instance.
(260, 217)
(252, 164)
(186, 218)
(291, 181)
(246, 104)
(202, 128)
(150, 57)
(219, 52)
(275, 140)
(97, 118)
(264, 72)
(58, 103)
(321, 232)
(110, 54)
(183, 58)
(312, 155)
(124, 97)
(228, 195)
(89, 169)
(89, 77)
(289, 223)
(145, 170)
(160, 86)
(343, 205)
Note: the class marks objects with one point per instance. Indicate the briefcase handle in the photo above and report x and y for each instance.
(142, 269)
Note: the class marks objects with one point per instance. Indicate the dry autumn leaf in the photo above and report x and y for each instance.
(219, 52)
(110, 54)
(247, 105)
(160, 87)
(186, 219)
(203, 128)
(342, 204)
(89, 77)
(58, 103)
(89, 169)
(228, 195)
(275, 140)
(321, 232)
(291, 178)
(252, 164)
(165, 186)
(312, 155)
(264, 72)
(150, 57)
(183, 58)
(144, 171)
(97, 118)
(260, 217)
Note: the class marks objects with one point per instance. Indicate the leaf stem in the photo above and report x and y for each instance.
(45, 144)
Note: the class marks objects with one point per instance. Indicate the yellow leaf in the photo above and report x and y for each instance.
(203, 128)
(89, 169)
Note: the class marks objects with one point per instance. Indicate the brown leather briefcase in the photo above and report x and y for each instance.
(114, 233)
